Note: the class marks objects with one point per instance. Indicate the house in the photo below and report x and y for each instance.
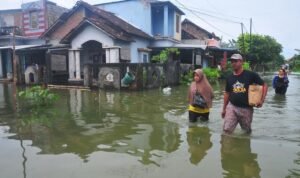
(108, 33)
(20, 28)
(160, 19)
(213, 54)
(88, 35)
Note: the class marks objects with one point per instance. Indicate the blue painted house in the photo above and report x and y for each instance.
(161, 19)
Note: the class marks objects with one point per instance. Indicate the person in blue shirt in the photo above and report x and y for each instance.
(280, 82)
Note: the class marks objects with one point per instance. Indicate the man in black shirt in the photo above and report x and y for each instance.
(236, 108)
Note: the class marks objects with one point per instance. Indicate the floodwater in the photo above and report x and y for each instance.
(114, 134)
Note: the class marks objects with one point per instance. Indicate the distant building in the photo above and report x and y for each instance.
(38, 16)
(212, 54)
(22, 27)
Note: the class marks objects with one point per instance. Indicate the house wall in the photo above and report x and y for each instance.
(177, 34)
(164, 22)
(136, 55)
(163, 43)
(7, 56)
(137, 13)
(38, 9)
(171, 23)
(1, 70)
(195, 41)
(47, 13)
(37, 41)
(68, 25)
(92, 33)
(11, 18)
(158, 22)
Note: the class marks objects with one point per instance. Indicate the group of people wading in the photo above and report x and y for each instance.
(236, 108)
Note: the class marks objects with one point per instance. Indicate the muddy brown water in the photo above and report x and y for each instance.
(116, 134)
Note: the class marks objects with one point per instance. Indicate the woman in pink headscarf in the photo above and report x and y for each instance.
(202, 86)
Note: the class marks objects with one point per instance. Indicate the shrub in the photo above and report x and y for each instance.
(212, 74)
(187, 78)
(163, 56)
(38, 96)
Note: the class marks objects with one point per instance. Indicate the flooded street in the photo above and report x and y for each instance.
(146, 134)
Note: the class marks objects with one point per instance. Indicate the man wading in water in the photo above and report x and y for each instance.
(236, 108)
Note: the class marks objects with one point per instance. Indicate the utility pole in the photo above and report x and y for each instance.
(250, 45)
(243, 49)
(15, 77)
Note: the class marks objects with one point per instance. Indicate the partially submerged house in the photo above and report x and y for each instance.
(21, 28)
(87, 35)
(109, 33)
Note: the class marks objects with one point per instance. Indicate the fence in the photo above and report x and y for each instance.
(132, 76)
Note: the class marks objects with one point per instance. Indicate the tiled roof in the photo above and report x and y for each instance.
(116, 21)
(104, 20)
(101, 24)
(186, 29)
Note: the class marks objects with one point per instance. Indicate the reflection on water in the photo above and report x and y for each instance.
(145, 132)
(198, 139)
(83, 123)
(296, 171)
(237, 158)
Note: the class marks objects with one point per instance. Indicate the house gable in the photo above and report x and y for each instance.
(103, 19)
(91, 33)
(135, 12)
(69, 23)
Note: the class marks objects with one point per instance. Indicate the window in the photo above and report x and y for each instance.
(145, 57)
(177, 23)
(33, 19)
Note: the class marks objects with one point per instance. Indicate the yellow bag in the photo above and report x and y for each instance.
(254, 94)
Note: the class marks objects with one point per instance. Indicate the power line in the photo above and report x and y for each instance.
(245, 27)
(211, 5)
(213, 16)
(219, 13)
(204, 20)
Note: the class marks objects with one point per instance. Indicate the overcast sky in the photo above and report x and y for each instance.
(277, 18)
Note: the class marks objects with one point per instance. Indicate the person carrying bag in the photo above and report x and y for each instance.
(200, 95)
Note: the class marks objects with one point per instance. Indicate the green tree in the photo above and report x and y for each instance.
(295, 63)
(164, 55)
(263, 49)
